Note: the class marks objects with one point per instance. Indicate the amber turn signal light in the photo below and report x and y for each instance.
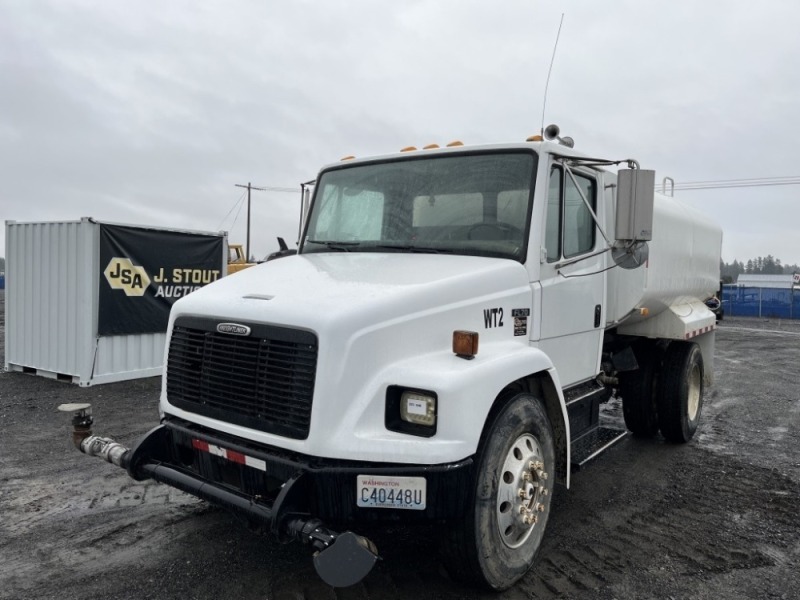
(465, 344)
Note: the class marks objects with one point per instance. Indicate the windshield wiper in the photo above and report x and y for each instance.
(410, 248)
(342, 246)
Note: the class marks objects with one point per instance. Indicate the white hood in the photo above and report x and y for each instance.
(312, 290)
(380, 320)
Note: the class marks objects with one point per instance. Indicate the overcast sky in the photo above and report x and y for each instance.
(149, 112)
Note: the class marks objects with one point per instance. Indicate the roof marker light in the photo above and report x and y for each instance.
(534, 138)
(408, 149)
(455, 143)
(430, 147)
(350, 157)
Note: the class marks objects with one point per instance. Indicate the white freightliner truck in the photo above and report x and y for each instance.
(437, 350)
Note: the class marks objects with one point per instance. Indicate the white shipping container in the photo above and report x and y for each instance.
(53, 276)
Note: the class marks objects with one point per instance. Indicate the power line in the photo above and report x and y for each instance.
(287, 190)
(738, 183)
(249, 187)
(236, 216)
(744, 179)
(235, 204)
(266, 188)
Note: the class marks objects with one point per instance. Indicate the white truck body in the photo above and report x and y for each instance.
(438, 348)
(385, 318)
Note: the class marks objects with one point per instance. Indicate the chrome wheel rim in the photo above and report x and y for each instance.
(521, 488)
(695, 387)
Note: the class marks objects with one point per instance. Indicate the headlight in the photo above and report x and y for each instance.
(411, 411)
(418, 408)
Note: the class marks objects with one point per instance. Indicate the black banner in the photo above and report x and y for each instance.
(144, 271)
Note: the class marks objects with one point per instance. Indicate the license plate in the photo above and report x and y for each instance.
(374, 491)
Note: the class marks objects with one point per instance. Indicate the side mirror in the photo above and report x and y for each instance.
(283, 250)
(635, 197)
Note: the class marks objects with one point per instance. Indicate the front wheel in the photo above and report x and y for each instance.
(498, 539)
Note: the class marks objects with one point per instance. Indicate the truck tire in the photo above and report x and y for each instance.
(498, 539)
(638, 390)
(680, 397)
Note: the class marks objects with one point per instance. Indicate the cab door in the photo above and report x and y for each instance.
(572, 278)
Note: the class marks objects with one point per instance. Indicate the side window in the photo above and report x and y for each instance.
(552, 234)
(569, 227)
(578, 223)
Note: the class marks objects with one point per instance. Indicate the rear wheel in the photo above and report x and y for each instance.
(680, 397)
(638, 391)
(498, 539)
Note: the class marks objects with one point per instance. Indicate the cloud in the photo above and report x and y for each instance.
(149, 113)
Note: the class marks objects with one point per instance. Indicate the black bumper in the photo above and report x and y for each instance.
(290, 484)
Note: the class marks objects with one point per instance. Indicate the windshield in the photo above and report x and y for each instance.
(475, 204)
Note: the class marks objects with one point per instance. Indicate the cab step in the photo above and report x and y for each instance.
(592, 443)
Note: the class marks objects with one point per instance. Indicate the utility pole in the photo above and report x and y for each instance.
(249, 187)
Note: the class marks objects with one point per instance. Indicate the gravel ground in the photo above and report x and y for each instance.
(716, 518)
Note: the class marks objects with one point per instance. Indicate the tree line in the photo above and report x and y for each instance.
(762, 265)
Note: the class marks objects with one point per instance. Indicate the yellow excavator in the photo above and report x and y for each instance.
(237, 261)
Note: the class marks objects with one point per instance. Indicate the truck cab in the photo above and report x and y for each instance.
(438, 350)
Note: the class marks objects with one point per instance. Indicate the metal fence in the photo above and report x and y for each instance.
(740, 301)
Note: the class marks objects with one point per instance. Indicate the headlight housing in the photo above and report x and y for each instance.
(411, 411)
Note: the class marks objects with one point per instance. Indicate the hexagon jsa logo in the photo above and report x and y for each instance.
(123, 275)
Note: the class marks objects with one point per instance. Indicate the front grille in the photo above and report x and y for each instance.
(264, 381)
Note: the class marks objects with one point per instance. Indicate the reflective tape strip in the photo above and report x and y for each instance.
(700, 331)
(236, 457)
(256, 463)
(230, 455)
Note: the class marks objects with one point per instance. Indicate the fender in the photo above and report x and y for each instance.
(466, 391)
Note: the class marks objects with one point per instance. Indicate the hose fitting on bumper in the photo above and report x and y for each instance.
(105, 448)
(341, 559)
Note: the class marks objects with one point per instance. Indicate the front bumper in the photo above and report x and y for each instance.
(274, 491)
(266, 483)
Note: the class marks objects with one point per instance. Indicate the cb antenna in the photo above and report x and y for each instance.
(550, 70)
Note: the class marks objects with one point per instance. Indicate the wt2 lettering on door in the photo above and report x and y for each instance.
(492, 317)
